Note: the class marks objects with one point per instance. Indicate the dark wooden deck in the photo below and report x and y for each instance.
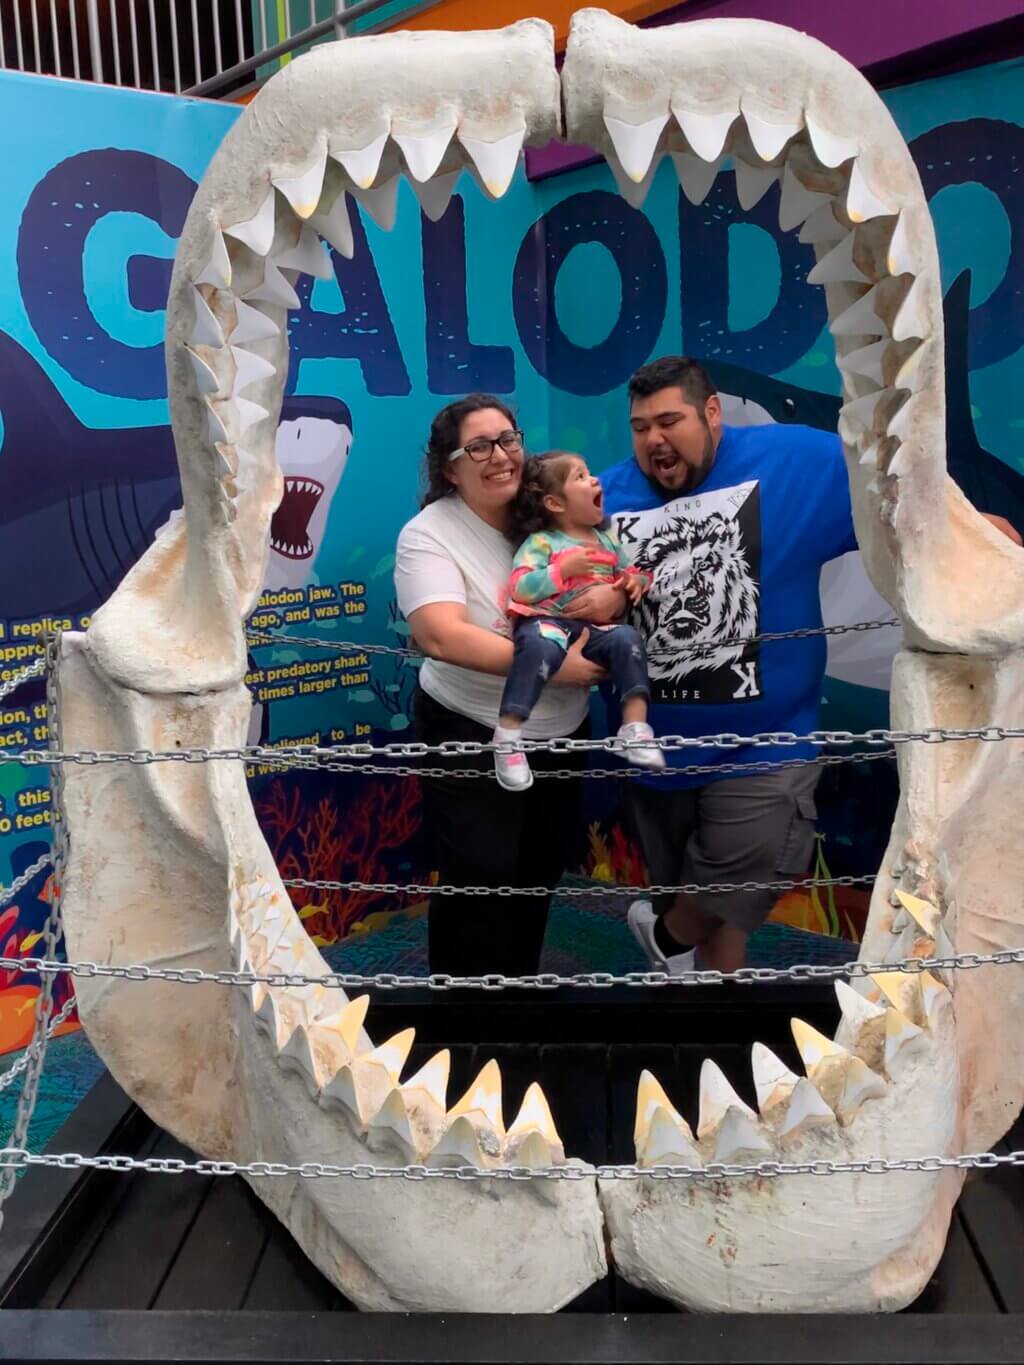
(98, 1266)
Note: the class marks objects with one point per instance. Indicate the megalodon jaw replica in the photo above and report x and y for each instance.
(168, 867)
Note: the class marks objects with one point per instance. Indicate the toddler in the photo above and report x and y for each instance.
(562, 505)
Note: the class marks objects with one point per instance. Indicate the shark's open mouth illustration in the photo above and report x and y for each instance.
(289, 526)
(168, 866)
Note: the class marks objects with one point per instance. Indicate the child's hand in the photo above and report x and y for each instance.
(634, 587)
(579, 561)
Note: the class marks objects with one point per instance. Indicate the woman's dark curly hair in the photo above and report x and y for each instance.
(543, 476)
(444, 438)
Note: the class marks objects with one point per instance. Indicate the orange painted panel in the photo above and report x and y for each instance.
(469, 14)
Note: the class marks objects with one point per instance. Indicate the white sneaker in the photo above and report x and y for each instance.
(512, 770)
(641, 920)
(643, 755)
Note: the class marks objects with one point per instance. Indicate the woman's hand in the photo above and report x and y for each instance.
(576, 671)
(603, 604)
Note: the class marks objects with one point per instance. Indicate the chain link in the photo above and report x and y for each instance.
(685, 889)
(15, 1158)
(24, 675)
(12, 1073)
(495, 981)
(8, 893)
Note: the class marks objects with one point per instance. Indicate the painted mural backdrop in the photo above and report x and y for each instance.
(552, 299)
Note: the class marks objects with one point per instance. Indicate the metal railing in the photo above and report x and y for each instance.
(197, 47)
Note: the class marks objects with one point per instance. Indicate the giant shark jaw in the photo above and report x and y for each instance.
(168, 867)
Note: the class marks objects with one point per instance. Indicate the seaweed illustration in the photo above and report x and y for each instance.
(395, 683)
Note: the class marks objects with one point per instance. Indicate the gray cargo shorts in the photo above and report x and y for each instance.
(758, 828)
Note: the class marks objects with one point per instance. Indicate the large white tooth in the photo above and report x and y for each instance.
(668, 1141)
(797, 202)
(496, 161)
(303, 190)
(380, 202)
(869, 456)
(916, 995)
(830, 149)
(902, 422)
(306, 255)
(435, 195)
(347, 1023)
(717, 1098)
(274, 288)
(740, 1135)
(252, 325)
(900, 259)
(773, 1080)
(250, 368)
(248, 414)
(534, 1121)
(769, 138)
(342, 1092)
(912, 319)
(861, 201)
(482, 1100)
(822, 227)
(297, 1055)
(207, 379)
(706, 133)
(926, 915)
(217, 270)
(838, 267)
(635, 143)
(899, 1030)
(257, 232)
(650, 1096)
(906, 375)
(460, 1146)
(844, 1081)
(533, 1151)
(206, 331)
(392, 1054)
(695, 176)
(424, 151)
(255, 989)
(860, 319)
(335, 227)
(390, 1127)
(633, 193)
(361, 163)
(866, 360)
(806, 1109)
(753, 182)
(218, 432)
(858, 415)
(227, 460)
(863, 1024)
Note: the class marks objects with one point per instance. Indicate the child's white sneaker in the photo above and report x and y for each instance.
(512, 768)
(643, 755)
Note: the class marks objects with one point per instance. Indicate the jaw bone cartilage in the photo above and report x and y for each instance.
(168, 865)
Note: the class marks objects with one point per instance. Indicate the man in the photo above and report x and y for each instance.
(734, 524)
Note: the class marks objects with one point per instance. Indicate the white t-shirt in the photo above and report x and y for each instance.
(448, 554)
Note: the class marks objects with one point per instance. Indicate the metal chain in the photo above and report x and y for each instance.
(8, 893)
(12, 1073)
(495, 981)
(305, 754)
(14, 1158)
(52, 928)
(685, 889)
(23, 676)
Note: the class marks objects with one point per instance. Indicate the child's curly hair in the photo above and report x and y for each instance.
(543, 475)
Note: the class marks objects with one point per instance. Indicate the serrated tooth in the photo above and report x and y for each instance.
(268, 1018)
(900, 259)
(740, 1134)
(899, 1030)
(535, 1117)
(695, 176)
(346, 1023)
(797, 202)
(207, 379)
(866, 361)
(390, 1126)
(392, 1055)
(922, 912)
(297, 1056)
(769, 138)
(307, 256)
(911, 321)
(535, 1153)
(217, 270)
(251, 325)
(256, 990)
(218, 432)
(633, 193)
(274, 288)
(257, 232)
(303, 190)
(860, 319)
(830, 149)
(838, 266)
(483, 1100)
(459, 1146)
(635, 143)
(249, 368)
(717, 1098)
(863, 1024)
(432, 1079)
(227, 460)
(753, 182)
(806, 1109)
(248, 414)
(870, 455)
(650, 1095)
(861, 201)
(901, 423)
(822, 227)
(424, 151)
(843, 1080)
(206, 330)
(435, 195)
(668, 1141)
(361, 164)
(858, 415)
(906, 375)
(342, 1092)
(914, 994)
(706, 133)
(773, 1080)
(380, 202)
(335, 227)
(496, 161)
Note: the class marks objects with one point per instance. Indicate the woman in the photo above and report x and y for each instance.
(452, 567)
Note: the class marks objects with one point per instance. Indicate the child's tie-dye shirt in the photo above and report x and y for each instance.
(537, 586)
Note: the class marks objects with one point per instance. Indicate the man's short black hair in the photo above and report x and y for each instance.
(673, 372)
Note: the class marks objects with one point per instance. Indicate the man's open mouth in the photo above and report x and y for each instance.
(290, 525)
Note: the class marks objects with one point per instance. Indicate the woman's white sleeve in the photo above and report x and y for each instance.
(425, 572)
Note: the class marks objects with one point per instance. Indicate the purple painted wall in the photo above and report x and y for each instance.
(879, 34)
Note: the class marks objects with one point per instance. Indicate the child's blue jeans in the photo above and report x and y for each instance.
(541, 643)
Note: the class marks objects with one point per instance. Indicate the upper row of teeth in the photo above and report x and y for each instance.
(318, 1033)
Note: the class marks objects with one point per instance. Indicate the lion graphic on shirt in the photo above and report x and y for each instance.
(702, 589)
